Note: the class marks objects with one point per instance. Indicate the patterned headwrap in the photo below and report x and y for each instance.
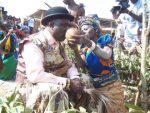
(91, 20)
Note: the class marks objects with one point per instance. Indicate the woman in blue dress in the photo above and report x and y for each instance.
(95, 53)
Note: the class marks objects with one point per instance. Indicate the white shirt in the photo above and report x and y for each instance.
(129, 25)
(31, 22)
(132, 25)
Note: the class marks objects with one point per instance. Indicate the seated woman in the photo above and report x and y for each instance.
(96, 54)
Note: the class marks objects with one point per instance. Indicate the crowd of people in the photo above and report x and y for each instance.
(48, 80)
(12, 31)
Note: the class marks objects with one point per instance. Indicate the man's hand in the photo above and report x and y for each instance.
(79, 39)
(73, 37)
(76, 39)
(77, 86)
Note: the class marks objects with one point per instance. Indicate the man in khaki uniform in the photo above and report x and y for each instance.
(43, 68)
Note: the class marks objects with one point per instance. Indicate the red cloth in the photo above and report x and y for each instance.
(20, 34)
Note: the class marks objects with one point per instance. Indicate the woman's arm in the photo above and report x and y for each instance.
(104, 53)
(135, 16)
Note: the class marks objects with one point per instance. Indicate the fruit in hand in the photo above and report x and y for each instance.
(72, 31)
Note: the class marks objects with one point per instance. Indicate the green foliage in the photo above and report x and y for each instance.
(131, 64)
(73, 110)
(148, 58)
(70, 111)
(134, 109)
(13, 104)
(70, 53)
(126, 62)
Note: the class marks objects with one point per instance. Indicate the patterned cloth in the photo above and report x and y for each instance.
(9, 56)
(10, 46)
(102, 71)
(90, 20)
(114, 93)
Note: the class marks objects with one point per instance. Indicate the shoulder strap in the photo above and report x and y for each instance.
(42, 44)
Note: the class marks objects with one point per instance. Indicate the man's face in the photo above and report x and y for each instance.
(133, 1)
(59, 28)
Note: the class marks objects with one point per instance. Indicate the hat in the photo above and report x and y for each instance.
(56, 13)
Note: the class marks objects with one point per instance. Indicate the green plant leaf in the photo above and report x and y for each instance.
(17, 109)
(28, 110)
(0, 109)
(133, 106)
(136, 111)
(70, 111)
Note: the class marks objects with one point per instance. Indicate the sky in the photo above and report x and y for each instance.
(23, 8)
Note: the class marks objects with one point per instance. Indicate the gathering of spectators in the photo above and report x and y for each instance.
(12, 31)
(39, 60)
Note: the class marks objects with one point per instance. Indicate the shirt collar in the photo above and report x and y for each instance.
(49, 37)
